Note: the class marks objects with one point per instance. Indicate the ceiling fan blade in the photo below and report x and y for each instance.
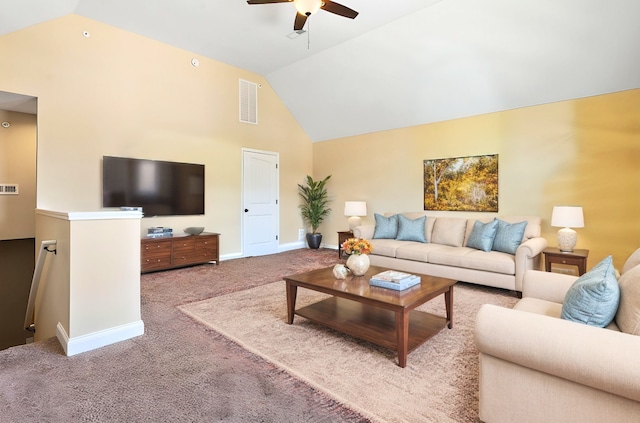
(298, 24)
(267, 1)
(338, 9)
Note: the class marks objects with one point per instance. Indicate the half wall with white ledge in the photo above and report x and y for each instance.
(89, 293)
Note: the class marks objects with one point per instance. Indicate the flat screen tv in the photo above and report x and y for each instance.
(160, 188)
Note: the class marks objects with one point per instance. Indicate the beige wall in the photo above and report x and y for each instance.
(18, 166)
(89, 289)
(53, 299)
(105, 275)
(117, 93)
(580, 152)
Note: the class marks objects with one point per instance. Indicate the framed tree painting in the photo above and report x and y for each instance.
(461, 184)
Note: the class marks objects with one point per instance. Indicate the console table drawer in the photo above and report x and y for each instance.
(209, 246)
(186, 258)
(156, 247)
(155, 263)
(178, 251)
(185, 245)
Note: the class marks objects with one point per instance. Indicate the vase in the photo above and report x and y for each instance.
(314, 240)
(358, 264)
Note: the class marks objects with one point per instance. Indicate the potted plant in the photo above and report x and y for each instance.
(314, 207)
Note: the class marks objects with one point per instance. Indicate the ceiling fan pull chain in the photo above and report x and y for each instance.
(308, 34)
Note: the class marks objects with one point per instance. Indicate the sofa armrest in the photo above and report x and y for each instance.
(528, 256)
(600, 358)
(546, 285)
(364, 231)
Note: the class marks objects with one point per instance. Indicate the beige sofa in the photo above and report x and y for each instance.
(537, 367)
(446, 254)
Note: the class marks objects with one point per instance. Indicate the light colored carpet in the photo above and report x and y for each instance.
(439, 383)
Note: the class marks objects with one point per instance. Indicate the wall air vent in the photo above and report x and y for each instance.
(248, 102)
(8, 189)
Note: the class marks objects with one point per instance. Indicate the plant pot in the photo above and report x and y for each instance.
(314, 240)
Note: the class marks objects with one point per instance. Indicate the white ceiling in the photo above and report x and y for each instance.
(400, 62)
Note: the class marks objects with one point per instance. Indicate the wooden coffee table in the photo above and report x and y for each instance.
(382, 316)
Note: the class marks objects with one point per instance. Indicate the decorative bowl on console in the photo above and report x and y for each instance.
(194, 230)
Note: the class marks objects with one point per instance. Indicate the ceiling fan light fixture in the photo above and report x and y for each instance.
(307, 7)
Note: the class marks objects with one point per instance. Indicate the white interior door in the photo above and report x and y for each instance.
(260, 209)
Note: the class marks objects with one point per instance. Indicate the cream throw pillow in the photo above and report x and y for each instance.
(628, 316)
(449, 231)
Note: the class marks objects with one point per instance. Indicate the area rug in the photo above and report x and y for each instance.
(439, 384)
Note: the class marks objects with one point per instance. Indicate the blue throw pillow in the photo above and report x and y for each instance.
(411, 230)
(482, 235)
(386, 227)
(594, 297)
(508, 236)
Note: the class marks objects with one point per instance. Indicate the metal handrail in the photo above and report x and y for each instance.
(29, 315)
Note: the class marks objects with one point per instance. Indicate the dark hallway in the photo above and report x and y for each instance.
(17, 262)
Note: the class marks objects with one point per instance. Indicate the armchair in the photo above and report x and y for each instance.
(537, 367)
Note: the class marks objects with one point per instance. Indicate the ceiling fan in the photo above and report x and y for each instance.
(306, 8)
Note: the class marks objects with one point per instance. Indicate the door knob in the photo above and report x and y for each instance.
(246, 210)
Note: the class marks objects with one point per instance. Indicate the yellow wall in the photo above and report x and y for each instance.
(581, 152)
(117, 93)
(18, 166)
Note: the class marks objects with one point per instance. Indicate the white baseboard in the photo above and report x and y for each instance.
(296, 245)
(95, 340)
(292, 246)
(303, 244)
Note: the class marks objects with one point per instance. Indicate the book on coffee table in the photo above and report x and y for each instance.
(401, 284)
(392, 276)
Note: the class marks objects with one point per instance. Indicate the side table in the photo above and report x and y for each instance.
(342, 237)
(576, 258)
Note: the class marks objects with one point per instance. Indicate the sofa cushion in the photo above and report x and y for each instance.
(411, 229)
(418, 251)
(632, 261)
(508, 236)
(470, 258)
(386, 247)
(538, 306)
(594, 297)
(449, 231)
(482, 235)
(386, 227)
(628, 316)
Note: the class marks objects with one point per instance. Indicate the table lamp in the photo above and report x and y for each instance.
(355, 209)
(567, 217)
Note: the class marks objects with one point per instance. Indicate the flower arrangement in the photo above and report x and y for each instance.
(357, 246)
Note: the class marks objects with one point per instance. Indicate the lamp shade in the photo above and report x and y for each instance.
(567, 217)
(355, 208)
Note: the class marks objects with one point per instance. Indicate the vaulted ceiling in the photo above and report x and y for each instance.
(400, 62)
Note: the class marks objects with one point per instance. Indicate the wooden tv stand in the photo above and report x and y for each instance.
(178, 251)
